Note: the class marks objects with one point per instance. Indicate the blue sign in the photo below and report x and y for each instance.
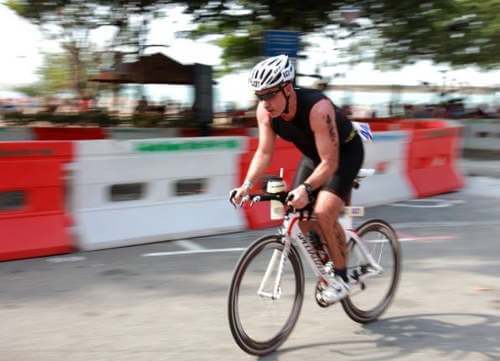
(278, 42)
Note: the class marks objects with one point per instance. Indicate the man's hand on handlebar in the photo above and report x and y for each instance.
(298, 198)
(238, 196)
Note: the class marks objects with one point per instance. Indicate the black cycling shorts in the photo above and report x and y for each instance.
(351, 156)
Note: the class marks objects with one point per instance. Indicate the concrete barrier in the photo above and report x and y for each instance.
(132, 192)
(142, 133)
(481, 135)
(387, 155)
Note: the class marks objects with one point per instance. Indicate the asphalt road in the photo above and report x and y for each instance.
(167, 301)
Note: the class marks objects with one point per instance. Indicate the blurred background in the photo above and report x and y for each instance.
(125, 88)
(176, 63)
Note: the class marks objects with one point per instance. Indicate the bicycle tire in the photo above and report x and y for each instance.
(244, 341)
(366, 316)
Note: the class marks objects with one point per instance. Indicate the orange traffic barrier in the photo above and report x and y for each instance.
(432, 155)
(285, 156)
(33, 220)
(432, 151)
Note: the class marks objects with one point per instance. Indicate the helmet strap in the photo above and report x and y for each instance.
(287, 97)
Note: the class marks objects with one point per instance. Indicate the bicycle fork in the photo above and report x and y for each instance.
(276, 291)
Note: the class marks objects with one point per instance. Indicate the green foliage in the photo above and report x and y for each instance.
(32, 90)
(398, 32)
(70, 22)
(455, 32)
(55, 74)
(96, 118)
(100, 118)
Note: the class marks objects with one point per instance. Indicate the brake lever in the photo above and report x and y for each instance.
(232, 193)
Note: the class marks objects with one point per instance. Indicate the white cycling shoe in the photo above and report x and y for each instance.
(337, 291)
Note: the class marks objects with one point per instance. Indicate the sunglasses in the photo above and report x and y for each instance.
(269, 95)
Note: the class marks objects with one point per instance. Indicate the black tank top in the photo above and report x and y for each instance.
(298, 130)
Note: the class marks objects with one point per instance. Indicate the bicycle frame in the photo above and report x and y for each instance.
(292, 234)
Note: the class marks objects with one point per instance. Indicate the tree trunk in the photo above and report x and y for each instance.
(76, 68)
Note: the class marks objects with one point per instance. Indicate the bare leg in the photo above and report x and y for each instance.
(339, 254)
(327, 210)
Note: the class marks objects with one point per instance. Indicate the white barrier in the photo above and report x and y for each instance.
(142, 133)
(482, 134)
(16, 133)
(387, 155)
(131, 192)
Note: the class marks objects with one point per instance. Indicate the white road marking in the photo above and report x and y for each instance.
(427, 238)
(413, 239)
(175, 253)
(446, 224)
(65, 259)
(428, 203)
(189, 245)
(223, 250)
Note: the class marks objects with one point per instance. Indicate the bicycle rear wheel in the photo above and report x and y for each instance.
(376, 290)
(260, 323)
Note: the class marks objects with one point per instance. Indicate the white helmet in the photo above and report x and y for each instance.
(271, 72)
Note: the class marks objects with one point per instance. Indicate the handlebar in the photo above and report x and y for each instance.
(282, 197)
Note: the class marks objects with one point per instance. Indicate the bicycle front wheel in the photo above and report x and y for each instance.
(266, 295)
(376, 288)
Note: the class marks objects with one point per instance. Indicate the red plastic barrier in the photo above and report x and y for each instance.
(432, 152)
(49, 133)
(432, 155)
(285, 156)
(33, 221)
(377, 120)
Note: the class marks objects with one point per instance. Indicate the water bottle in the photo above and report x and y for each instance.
(276, 185)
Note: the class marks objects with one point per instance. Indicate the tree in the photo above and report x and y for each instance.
(72, 21)
(396, 32)
(31, 90)
(68, 21)
(392, 32)
(455, 32)
(241, 24)
(55, 76)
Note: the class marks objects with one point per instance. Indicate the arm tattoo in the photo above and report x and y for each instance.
(331, 128)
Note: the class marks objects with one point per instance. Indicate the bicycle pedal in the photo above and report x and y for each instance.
(355, 275)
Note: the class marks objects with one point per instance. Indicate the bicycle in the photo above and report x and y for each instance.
(278, 276)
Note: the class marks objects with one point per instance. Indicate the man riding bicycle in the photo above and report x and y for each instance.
(332, 154)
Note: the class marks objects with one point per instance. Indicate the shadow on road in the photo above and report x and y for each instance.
(452, 335)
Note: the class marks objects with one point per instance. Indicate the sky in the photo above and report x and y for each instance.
(22, 44)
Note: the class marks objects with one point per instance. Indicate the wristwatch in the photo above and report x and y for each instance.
(309, 190)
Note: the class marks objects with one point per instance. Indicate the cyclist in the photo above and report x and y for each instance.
(332, 153)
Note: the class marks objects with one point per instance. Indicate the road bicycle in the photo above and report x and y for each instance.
(267, 288)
